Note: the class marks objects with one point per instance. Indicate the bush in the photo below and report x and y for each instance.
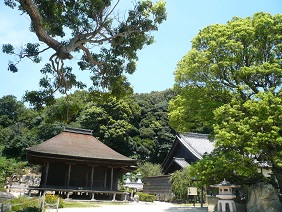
(180, 181)
(52, 199)
(24, 204)
(30, 209)
(146, 197)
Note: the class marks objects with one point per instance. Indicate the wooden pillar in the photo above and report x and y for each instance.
(105, 179)
(46, 173)
(86, 180)
(92, 177)
(112, 178)
(69, 173)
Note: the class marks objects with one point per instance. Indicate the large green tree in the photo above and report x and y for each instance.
(230, 82)
(106, 39)
(111, 122)
(242, 57)
(21, 127)
(251, 130)
(155, 136)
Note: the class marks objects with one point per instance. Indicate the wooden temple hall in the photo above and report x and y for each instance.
(74, 162)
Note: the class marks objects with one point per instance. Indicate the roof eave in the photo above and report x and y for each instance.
(47, 156)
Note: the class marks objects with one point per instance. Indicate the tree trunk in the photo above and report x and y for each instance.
(40, 31)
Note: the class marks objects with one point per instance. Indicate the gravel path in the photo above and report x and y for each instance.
(136, 207)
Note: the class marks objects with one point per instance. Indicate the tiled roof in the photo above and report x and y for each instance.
(198, 144)
(78, 145)
(181, 162)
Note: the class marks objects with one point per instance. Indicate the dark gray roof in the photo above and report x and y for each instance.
(198, 144)
(189, 146)
(181, 162)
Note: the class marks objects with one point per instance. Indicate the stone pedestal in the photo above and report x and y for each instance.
(222, 205)
(212, 202)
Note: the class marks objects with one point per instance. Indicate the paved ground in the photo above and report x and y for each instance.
(136, 207)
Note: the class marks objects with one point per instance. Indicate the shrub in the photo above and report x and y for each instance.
(180, 181)
(146, 197)
(52, 199)
(30, 209)
(24, 203)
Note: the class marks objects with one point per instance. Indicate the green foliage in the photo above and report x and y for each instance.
(110, 122)
(196, 105)
(135, 126)
(226, 59)
(155, 134)
(9, 167)
(71, 27)
(180, 181)
(148, 169)
(12, 111)
(222, 163)
(252, 129)
(146, 197)
(30, 209)
(67, 109)
(24, 204)
(53, 199)
(230, 84)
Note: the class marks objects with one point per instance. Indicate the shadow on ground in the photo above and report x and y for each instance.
(182, 209)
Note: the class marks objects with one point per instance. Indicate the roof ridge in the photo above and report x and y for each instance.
(195, 135)
(78, 130)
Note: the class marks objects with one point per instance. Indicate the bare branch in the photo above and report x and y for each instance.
(90, 58)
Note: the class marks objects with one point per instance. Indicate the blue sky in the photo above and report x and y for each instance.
(157, 62)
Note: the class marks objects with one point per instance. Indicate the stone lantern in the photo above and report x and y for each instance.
(225, 196)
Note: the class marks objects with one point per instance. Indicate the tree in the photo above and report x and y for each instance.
(224, 163)
(233, 78)
(9, 167)
(106, 40)
(180, 181)
(240, 57)
(155, 135)
(11, 111)
(148, 169)
(67, 109)
(252, 130)
(111, 122)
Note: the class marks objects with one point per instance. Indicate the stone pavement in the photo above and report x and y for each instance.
(137, 207)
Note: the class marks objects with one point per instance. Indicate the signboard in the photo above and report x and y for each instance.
(192, 191)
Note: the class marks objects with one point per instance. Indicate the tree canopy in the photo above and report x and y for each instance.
(241, 57)
(105, 39)
(230, 84)
(136, 126)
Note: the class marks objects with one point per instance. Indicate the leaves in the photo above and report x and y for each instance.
(93, 29)
(148, 169)
(180, 181)
(230, 83)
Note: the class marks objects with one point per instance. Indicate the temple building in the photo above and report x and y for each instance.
(74, 161)
(186, 149)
